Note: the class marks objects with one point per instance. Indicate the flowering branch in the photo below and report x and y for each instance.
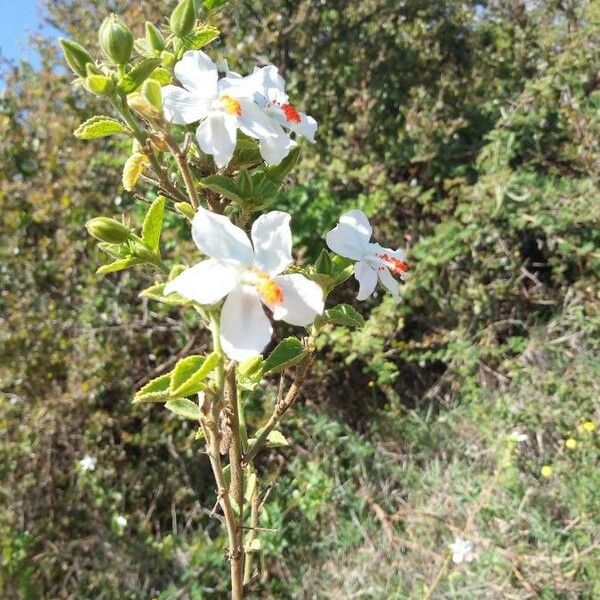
(236, 138)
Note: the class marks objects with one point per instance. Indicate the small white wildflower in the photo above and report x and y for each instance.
(517, 436)
(462, 551)
(121, 521)
(88, 463)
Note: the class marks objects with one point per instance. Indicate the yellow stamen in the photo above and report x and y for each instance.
(271, 293)
(231, 105)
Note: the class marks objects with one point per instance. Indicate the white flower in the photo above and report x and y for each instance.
(121, 521)
(462, 551)
(248, 274)
(268, 88)
(351, 238)
(220, 106)
(517, 436)
(88, 463)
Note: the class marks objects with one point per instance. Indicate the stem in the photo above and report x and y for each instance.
(254, 513)
(184, 168)
(281, 406)
(236, 489)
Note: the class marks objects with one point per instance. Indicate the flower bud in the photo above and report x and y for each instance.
(168, 59)
(76, 56)
(183, 18)
(154, 38)
(187, 210)
(108, 230)
(116, 40)
(141, 106)
(152, 91)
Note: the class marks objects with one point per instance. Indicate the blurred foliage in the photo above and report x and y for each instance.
(469, 131)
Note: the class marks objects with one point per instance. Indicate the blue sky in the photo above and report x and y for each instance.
(19, 17)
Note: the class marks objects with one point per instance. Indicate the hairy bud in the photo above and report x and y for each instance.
(76, 56)
(183, 18)
(116, 40)
(152, 91)
(108, 230)
(154, 38)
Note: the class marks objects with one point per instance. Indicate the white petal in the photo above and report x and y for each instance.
(198, 73)
(306, 126)
(182, 107)
(366, 276)
(302, 300)
(217, 237)
(350, 237)
(206, 283)
(245, 329)
(272, 239)
(272, 82)
(389, 282)
(275, 149)
(253, 121)
(216, 135)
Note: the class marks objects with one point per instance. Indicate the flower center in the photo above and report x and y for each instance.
(395, 265)
(231, 105)
(269, 291)
(291, 114)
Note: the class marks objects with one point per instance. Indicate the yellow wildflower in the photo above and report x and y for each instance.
(546, 471)
(571, 443)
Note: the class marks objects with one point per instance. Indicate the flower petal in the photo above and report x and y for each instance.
(198, 73)
(275, 149)
(253, 121)
(298, 122)
(366, 276)
(272, 239)
(217, 237)
(350, 237)
(245, 328)
(216, 135)
(206, 283)
(302, 300)
(389, 282)
(182, 107)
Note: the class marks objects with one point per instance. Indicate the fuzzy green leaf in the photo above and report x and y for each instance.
(156, 390)
(132, 80)
(343, 314)
(213, 4)
(190, 372)
(118, 265)
(276, 439)
(224, 186)
(184, 408)
(202, 36)
(153, 223)
(286, 354)
(98, 127)
(157, 292)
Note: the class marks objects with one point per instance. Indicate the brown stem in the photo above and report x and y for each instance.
(235, 555)
(282, 405)
(236, 489)
(181, 158)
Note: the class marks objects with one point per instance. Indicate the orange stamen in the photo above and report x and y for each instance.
(291, 114)
(232, 106)
(269, 290)
(395, 265)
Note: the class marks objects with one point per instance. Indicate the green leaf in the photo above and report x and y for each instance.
(343, 314)
(224, 186)
(132, 80)
(201, 37)
(342, 268)
(249, 487)
(98, 127)
(250, 367)
(163, 76)
(189, 373)
(184, 408)
(286, 354)
(276, 439)
(156, 390)
(153, 223)
(213, 4)
(285, 167)
(118, 265)
(247, 153)
(157, 292)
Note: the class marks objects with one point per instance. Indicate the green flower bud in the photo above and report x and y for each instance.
(152, 91)
(168, 59)
(100, 84)
(154, 38)
(116, 40)
(109, 230)
(183, 18)
(187, 210)
(76, 56)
